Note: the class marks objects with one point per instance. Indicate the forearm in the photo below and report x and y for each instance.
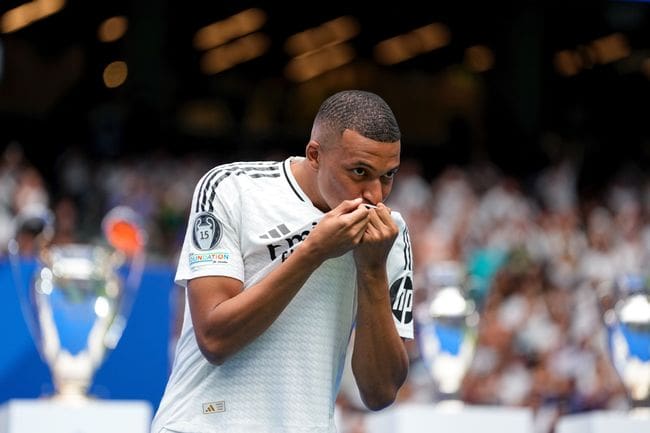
(230, 325)
(379, 360)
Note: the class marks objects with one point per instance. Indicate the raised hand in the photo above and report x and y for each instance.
(377, 239)
(340, 230)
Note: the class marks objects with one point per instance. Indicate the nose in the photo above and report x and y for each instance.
(372, 192)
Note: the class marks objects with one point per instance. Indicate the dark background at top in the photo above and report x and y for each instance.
(52, 98)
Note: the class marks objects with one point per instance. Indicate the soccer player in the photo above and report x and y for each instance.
(281, 262)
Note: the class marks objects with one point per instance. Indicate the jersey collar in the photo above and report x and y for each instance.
(293, 183)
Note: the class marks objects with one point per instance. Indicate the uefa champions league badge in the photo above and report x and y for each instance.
(206, 232)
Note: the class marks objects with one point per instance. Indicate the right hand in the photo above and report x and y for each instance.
(340, 230)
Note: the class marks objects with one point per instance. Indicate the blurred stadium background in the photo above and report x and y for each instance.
(467, 79)
(524, 114)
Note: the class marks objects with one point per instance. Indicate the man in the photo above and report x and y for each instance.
(281, 260)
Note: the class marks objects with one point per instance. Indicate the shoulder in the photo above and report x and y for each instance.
(403, 240)
(399, 220)
(250, 168)
(237, 171)
(225, 182)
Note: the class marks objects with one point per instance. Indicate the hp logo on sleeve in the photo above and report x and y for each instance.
(401, 296)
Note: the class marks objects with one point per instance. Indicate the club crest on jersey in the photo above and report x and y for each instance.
(206, 232)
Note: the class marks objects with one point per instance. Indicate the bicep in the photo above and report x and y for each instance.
(204, 294)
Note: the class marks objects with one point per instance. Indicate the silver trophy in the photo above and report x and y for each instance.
(76, 297)
(446, 329)
(627, 318)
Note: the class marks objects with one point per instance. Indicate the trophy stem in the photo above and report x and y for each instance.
(72, 375)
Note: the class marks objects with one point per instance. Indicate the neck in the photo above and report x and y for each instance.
(306, 179)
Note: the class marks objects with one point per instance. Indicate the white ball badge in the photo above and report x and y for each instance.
(207, 231)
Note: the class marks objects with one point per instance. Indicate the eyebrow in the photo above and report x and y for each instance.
(362, 164)
(366, 165)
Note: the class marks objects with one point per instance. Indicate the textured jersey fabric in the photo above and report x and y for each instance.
(246, 218)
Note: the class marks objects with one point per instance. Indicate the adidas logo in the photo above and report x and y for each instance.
(275, 233)
(214, 407)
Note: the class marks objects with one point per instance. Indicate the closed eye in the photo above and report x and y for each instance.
(391, 174)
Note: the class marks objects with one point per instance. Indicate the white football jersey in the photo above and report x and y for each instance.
(246, 218)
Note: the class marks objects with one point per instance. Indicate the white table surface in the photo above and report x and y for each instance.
(421, 418)
(93, 416)
(604, 421)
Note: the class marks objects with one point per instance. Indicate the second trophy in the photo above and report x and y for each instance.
(446, 330)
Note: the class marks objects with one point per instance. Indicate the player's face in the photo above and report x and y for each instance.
(357, 167)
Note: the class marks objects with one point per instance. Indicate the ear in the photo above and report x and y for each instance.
(313, 154)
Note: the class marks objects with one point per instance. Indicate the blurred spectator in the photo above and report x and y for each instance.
(65, 221)
(24, 200)
(9, 168)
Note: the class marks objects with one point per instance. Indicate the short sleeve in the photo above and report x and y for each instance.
(400, 279)
(212, 242)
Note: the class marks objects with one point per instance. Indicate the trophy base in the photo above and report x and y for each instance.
(72, 398)
(604, 421)
(415, 418)
(640, 412)
(450, 405)
(81, 416)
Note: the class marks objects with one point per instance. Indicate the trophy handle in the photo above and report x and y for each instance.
(124, 231)
(35, 225)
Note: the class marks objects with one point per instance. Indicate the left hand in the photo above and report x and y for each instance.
(377, 240)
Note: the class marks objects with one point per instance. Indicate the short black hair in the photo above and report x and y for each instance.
(363, 112)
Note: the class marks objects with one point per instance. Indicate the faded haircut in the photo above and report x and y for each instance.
(363, 112)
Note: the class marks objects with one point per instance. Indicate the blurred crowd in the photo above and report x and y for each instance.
(538, 260)
(157, 187)
(541, 263)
